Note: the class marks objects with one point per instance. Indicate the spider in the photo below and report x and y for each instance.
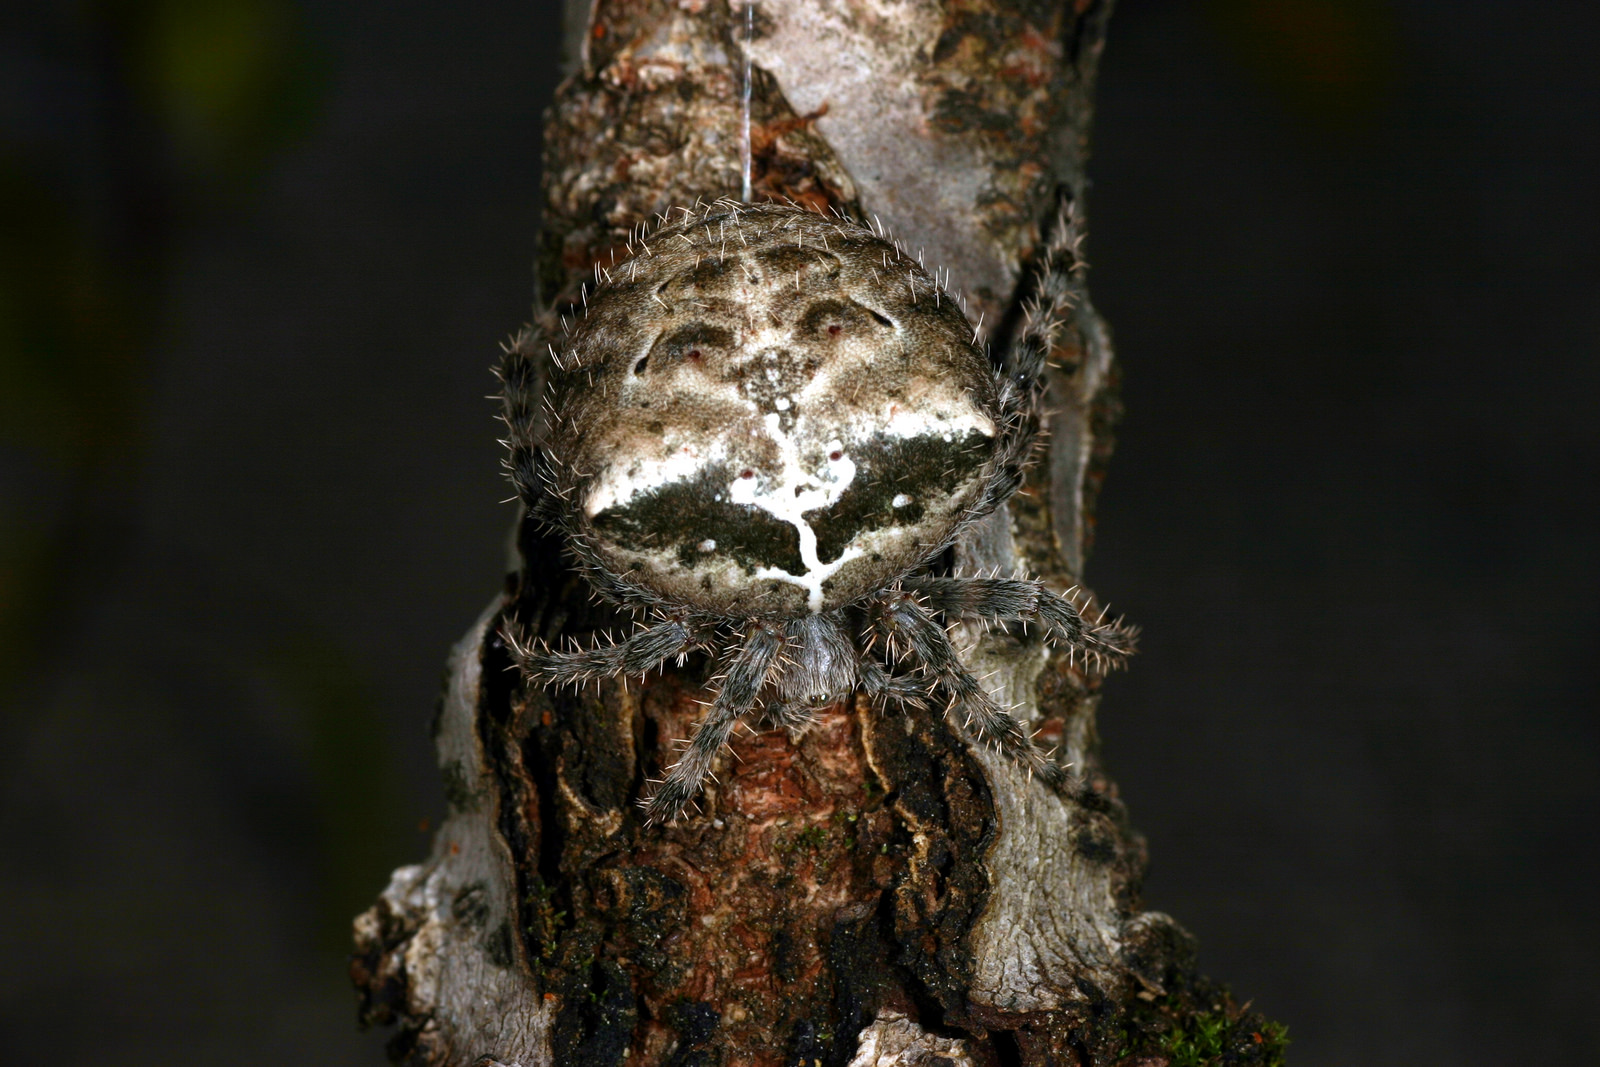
(758, 437)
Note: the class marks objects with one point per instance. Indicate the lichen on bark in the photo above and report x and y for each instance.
(875, 891)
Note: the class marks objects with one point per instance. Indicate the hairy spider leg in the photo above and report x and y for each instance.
(748, 673)
(970, 706)
(1107, 645)
(641, 653)
(789, 715)
(883, 687)
(1057, 284)
(1057, 289)
(522, 386)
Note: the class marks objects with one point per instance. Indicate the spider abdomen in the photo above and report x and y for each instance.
(769, 412)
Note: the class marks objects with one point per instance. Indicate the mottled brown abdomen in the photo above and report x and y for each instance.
(768, 411)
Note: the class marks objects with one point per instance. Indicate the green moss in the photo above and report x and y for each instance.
(545, 921)
(1208, 1030)
(811, 838)
(1214, 1038)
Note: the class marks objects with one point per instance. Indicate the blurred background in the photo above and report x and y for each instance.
(255, 258)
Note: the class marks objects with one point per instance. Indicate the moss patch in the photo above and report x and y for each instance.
(1200, 1025)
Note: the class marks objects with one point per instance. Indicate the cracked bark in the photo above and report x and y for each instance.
(876, 893)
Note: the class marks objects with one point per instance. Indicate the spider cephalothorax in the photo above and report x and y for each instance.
(759, 433)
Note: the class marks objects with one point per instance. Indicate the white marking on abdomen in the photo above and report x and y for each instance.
(788, 497)
(620, 483)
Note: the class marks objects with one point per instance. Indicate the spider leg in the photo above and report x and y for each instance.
(639, 654)
(979, 714)
(1107, 645)
(1057, 290)
(794, 717)
(522, 373)
(751, 667)
(882, 686)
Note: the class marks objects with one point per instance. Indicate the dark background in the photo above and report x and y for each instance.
(255, 258)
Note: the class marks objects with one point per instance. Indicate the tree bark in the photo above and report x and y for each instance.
(876, 892)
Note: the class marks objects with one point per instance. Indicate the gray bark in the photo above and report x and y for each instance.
(876, 892)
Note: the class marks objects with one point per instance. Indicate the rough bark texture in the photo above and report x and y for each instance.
(876, 893)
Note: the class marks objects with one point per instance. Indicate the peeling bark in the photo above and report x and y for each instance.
(874, 892)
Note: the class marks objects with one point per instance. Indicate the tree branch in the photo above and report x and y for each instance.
(873, 891)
